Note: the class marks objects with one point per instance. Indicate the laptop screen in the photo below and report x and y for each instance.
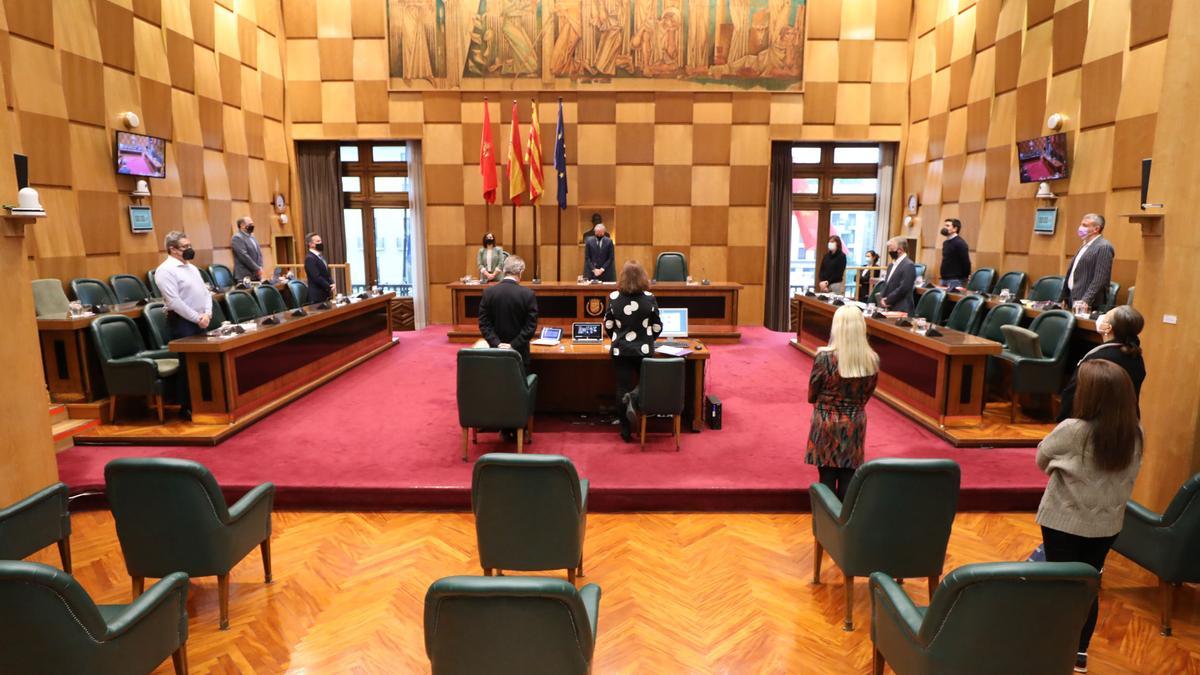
(551, 333)
(674, 321)
(586, 332)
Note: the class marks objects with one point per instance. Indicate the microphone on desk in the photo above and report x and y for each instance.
(325, 305)
(878, 315)
(100, 309)
(933, 332)
(838, 302)
(299, 312)
(903, 322)
(270, 321)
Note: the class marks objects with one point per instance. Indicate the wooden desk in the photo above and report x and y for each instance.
(936, 380)
(69, 360)
(580, 379)
(234, 378)
(712, 309)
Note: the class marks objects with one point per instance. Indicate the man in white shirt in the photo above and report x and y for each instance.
(188, 301)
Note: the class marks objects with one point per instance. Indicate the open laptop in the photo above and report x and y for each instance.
(551, 336)
(586, 333)
(675, 325)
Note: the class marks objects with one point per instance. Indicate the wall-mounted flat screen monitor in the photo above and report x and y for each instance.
(1045, 220)
(140, 219)
(1043, 159)
(139, 155)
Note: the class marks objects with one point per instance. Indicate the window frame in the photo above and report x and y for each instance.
(367, 199)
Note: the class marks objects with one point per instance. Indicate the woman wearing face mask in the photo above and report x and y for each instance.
(1119, 328)
(832, 276)
(865, 276)
(490, 259)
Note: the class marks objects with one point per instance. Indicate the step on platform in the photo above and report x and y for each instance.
(63, 428)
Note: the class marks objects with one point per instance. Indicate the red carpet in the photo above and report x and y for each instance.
(386, 435)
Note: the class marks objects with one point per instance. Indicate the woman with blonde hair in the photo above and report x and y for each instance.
(844, 375)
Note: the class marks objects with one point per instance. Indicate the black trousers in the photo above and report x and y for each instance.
(836, 479)
(627, 371)
(1064, 547)
(179, 327)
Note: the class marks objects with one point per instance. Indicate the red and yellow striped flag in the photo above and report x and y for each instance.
(516, 170)
(533, 158)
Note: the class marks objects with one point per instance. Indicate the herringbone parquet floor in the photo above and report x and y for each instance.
(683, 593)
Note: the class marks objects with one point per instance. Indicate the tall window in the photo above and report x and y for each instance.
(835, 187)
(375, 185)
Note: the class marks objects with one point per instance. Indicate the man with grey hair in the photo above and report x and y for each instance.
(508, 311)
(188, 302)
(598, 254)
(897, 293)
(1090, 271)
(247, 256)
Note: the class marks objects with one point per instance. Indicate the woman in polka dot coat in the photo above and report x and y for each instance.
(633, 323)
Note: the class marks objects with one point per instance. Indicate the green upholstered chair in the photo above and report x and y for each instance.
(207, 278)
(495, 393)
(34, 523)
(242, 306)
(219, 314)
(1014, 282)
(1005, 314)
(1110, 299)
(128, 288)
(660, 393)
(171, 517)
(967, 313)
(152, 284)
(270, 299)
(510, 626)
(129, 368)
(49, 298)
(929, 306)
(1167, 544)
(874, 297)
(222, 276)
(670, 266)
(92, 292)
(1046, 288)
(297, 293)
(51, 626)
(1129, 296)
(530, 513)
(896, 519)
(981, 280)
(160, 332)
(985, 619)
(1041, 375)
(919, 269)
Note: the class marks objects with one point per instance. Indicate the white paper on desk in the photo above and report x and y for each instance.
(249, 325)
(672, 351)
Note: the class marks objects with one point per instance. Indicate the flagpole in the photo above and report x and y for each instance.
(537, 258)
(558, 231)
(514, 198)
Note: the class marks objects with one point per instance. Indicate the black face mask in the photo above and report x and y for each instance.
(489, 242)
(189, 253)
(249, 229)
(945, 232)
(893, 254)
(320, 246)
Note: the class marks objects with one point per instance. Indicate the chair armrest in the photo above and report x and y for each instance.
(822, 497)
(173, 587)
(886, 594)
(36, 499)
(531, 381)
(264, 493)
(157, 354)
(583, 492)
(590, 595)
(1142, 515)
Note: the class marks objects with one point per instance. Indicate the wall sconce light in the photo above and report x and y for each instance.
(131, 120)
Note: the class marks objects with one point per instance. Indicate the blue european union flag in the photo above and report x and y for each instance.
(560, 159)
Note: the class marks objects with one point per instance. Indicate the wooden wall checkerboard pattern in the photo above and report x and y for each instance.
(987, 73)
(207, 75)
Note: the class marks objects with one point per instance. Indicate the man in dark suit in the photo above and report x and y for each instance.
(320, 280)
(897, 293)
(508, 311)
(1091, 269)
(247, 256)
(598, 255)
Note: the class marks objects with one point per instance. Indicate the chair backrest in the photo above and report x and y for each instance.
(128, 288)
(1022, 342)
(897, 516)
(874, 297)
(1129, 296)
(1031, 613)
(1054, 330)
(981, 280)
(298, 292)
(1046, 288)
(206, 277)
(269, 299)
(116, 336)
(35, 522)
(219, 316)
(1110, 300)
(92, 292)
(929, 307)
(919, 269)
(242, 306)
(49, 297)
(170, 515)
(661, 387)
(506, 625)
(1005, 314)
(50, 623)
(156, 319)
(1014, 282)
(670, 266)
(492, 390)
(966, 314)
(152, 284)
(222, 276)
(1182, 557)
(528, 512)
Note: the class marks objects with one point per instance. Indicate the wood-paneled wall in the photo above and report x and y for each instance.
(207, 75)
(987, 73)
(669, 170)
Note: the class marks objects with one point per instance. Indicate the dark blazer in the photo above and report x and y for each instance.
(247, 256)
(1091, 276)
(898, 287)
(1109, 351)
(633, 323)
(599, 253)
(320, 280)
(508, 313)
(956, 259)
(833, 268)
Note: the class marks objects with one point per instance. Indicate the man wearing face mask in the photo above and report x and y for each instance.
(187, 300)
(1091, 269)
(956, 256)
(599, 253)
(247, 256)
(320, 280)
(897, 293)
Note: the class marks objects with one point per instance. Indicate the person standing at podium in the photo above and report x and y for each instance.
(187, 300)
(599, 254)
(508, 311)
(320, 280)
(490, 260)
(632, 322)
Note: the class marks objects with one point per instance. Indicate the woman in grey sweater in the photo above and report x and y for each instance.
(1092, 459)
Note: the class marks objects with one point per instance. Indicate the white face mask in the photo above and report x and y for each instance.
(832, 247)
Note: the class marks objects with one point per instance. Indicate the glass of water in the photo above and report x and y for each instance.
(1080, 308)
(922, 326)
(870, 308)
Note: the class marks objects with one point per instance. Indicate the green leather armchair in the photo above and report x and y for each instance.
(34, 523)
(670, 266)
(495, 393)
(510, 626)
(270, 299)
(896, 519)
(919, 269)
(1110, 299)
(172, 517)
(207, 278)
(1129, 296)
(530, 513)
(51, 626)
(1046, 288)
(152, 284)
(128, 288)
(156, 319)
(929, 306)
(92, 292)
(129, 368)
(985, 619)
(297, 293)
(1167, 544)
(1041, 375)
(242, 306)
(49, 298)
(1015, 283)
(967, 313)
(660, 392)
(222, 276)
(981, 280)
